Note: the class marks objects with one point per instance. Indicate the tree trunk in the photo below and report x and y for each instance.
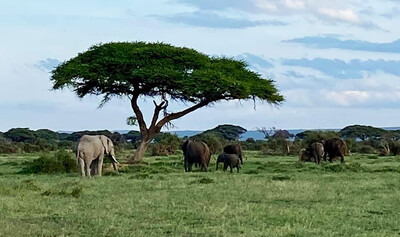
(140, 151)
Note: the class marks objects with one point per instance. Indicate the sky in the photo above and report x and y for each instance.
(336, 62)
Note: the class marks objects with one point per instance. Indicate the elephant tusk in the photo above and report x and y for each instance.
(115, 160)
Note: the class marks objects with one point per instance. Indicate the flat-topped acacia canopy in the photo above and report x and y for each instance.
(136, 69)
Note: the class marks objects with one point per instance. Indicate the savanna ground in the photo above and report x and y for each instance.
(271, 196)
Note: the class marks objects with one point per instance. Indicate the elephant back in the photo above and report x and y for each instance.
(335, 146)
(195, 151)
(317, 149)
(234, 149)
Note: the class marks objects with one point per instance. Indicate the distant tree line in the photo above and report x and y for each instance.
(359, 139)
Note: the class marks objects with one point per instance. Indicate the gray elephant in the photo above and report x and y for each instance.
(335, 147)
(231, 160)
(196, 153)
(314, 152)
(234, 149)
(90, 154)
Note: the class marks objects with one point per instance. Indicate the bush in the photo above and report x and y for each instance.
(214, 142)
(366, 149)
(395, 147)
(165, 144)
(60, 162)
(67, 145)
(252, 145)
(275, 147)
(29, 148)
(8, 148)
(162, 149)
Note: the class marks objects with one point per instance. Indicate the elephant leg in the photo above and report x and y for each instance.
(100, 165)
(237, 168)
(93, 168)
(82, 166)
(230, 168)
(341, 158)
(225, 166)
(204, 166)
(87, 167)
(190, 167)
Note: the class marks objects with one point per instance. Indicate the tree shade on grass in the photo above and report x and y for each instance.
(159, 70)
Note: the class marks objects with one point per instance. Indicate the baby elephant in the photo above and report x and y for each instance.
(231, 160)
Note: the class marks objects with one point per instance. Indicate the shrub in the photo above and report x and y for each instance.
(60, 162)
(366, 149)
(165, 144)
(162, 149)
(252, 145)
(8, 148)
(214, 142)
(395, 147)
(66, 145)
(275, 147)
(29, 148)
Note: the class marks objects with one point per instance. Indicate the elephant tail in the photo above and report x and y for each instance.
(80, 154)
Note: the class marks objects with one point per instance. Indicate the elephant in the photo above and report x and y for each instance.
(195, 152)
(314, 152)
(231, 160)
(335, 147)
(90, 154)
(234, 149)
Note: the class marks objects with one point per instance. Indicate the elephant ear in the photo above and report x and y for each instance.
(105, 141)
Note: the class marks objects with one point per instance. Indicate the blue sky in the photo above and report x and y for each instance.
(336, 62)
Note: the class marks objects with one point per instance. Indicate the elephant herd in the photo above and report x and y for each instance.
(92, 149)
(332, 148)
(197, 152)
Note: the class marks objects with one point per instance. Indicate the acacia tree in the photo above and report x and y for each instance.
(158, 70)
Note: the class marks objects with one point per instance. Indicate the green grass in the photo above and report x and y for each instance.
(271, 196)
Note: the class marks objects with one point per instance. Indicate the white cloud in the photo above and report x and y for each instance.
(346, 15)
(347, 98)
(266, 6)
(294, 4)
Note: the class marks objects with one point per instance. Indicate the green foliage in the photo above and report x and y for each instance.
(133, 136)
(282, 135)
(75, 136)
(274, 147)
(8, 148)
(227, 132)
(20, 135)
(46, 134)
(165, 144)
(60, 162)
(67, 145)
(214, 141)
(395, 147)
(366, 149)
(156, 69)
(117, 138)
(316, 136)
(251, 144)
(362, 132)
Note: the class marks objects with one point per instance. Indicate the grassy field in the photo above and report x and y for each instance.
(271, 196)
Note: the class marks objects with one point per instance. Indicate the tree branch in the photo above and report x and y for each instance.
(139, 115)
(177, 115)
(157, 110)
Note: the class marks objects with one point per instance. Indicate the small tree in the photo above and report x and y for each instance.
(158, 70)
